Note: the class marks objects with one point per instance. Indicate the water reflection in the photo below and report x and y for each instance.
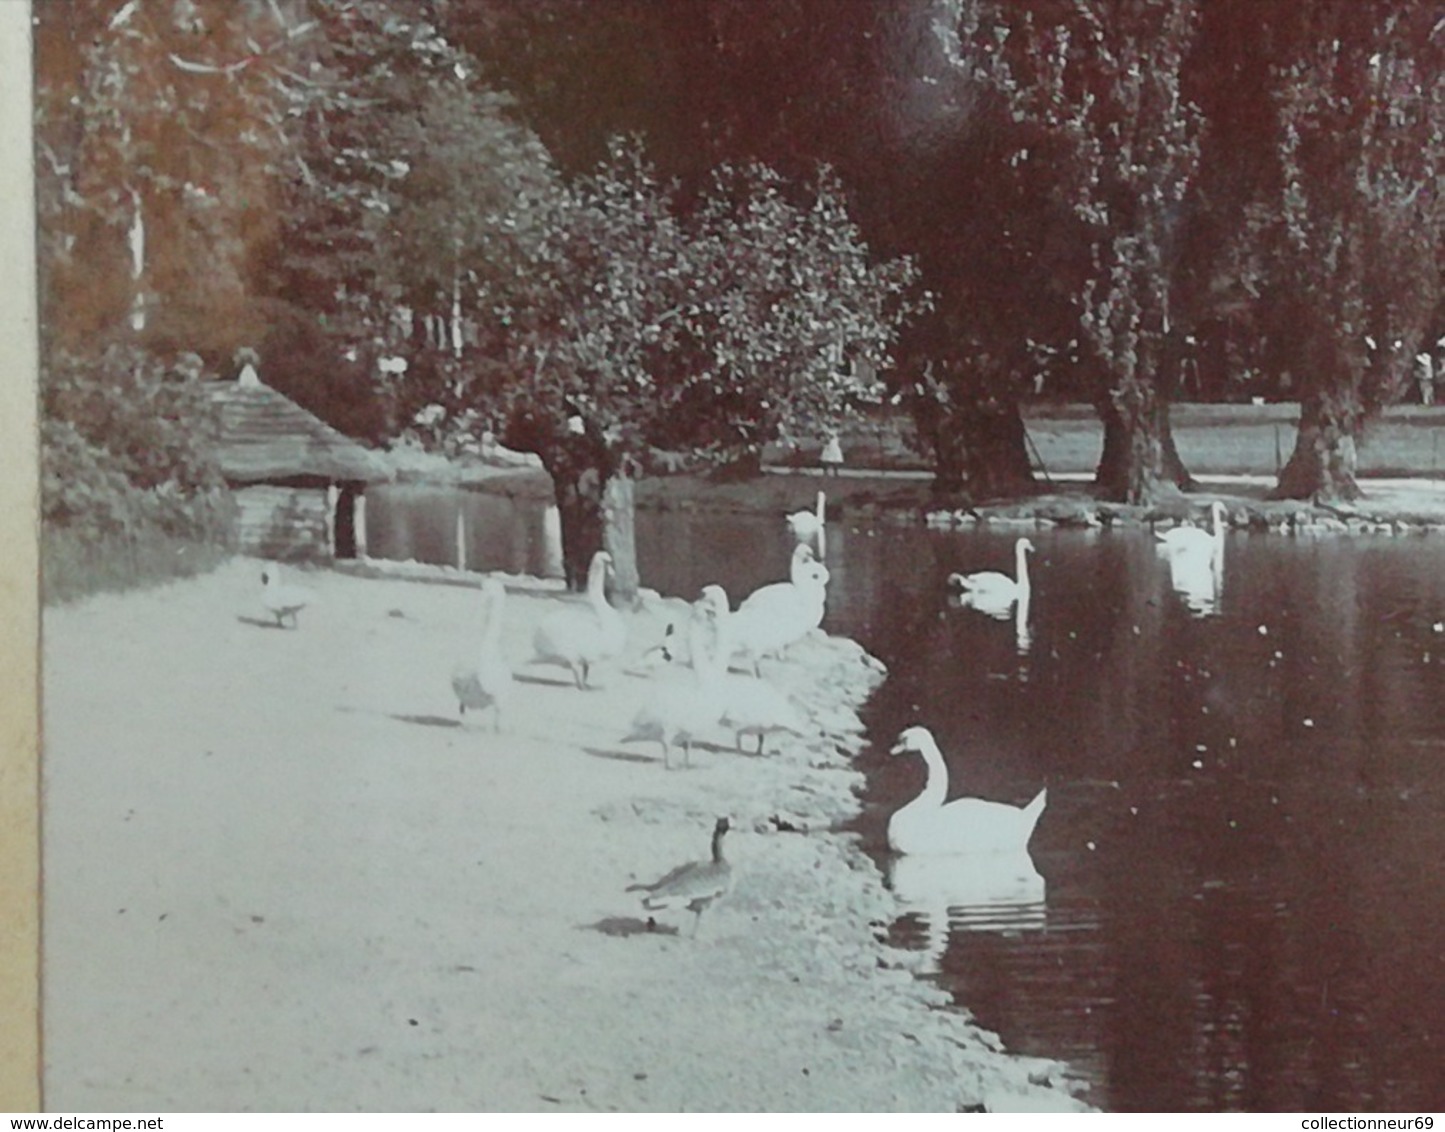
(1198, 578)
(1001, 893)
(1023, 633)
(1243, 848)
(468, 529)
(1239, 805)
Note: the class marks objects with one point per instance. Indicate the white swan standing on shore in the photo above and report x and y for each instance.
(486, 681)
(578, 638)
(679, 710)
(750, 706)
(995, 593)
(282, 601)
(1195, 540)
(775, 616)
(965, 825)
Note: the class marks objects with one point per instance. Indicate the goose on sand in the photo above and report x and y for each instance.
(679, 710)
(577, 638)
(992, 592)
(695, 885)
(279, 600)
(966, 825)
(486, 681)
(775, 616)
(1195, 540)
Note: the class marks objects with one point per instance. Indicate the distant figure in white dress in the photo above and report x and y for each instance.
(832, 455)
(1425, 376)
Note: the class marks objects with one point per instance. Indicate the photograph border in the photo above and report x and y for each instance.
(20, 1089)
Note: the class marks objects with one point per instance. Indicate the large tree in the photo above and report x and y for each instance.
(157, 134)
(1349, 247)
(641, 320)
(863, 88)
(1095, 87)
(401, 163)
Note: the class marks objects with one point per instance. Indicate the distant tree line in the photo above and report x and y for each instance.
(607, 229)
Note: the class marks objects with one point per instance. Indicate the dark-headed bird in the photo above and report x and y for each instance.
(695, 885)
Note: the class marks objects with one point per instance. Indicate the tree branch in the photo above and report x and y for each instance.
(208, 68)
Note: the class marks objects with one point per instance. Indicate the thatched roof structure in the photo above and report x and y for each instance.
(265, 437)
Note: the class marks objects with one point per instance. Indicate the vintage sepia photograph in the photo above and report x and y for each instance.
(729, 556)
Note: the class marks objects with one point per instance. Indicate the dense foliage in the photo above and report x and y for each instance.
(418, 213)
(127, 447)
(640, 321)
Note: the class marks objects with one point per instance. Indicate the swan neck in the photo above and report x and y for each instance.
(597, 582)
(1021, 566)
(704, 644)
(935, 788)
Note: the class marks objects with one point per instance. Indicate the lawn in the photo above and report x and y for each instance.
(1212, 439)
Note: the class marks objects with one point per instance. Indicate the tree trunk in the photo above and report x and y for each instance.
(1139, 462)
(981, 448)
(579, 507)
(619, 533)
(1322, 465)
(996, 449)
(593, 486)
(944, 443)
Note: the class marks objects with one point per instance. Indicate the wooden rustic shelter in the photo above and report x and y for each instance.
(299, 485)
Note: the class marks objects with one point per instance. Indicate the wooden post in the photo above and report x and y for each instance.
(461, 536)
(333, 500)
(358, 523)
(552, 542)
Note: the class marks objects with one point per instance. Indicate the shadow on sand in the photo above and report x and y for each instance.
(625, 926)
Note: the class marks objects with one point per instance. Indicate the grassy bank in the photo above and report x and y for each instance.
(74, 566)
(1212, 439)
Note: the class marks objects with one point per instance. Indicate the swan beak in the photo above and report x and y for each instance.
(900, 748)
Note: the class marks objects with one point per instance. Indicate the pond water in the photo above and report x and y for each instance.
(1240, 892)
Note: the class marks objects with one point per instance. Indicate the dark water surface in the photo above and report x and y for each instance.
(1243, 855)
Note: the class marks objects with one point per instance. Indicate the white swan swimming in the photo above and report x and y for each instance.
(1195, 540)
(966, 825)
(282, 601)
(1198, 579)
(992, 592)
(577, 638)
(486, 680)
(695, 885)
(775, 616)
(680, 709)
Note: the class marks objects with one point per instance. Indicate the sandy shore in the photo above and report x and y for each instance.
(279, 875)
